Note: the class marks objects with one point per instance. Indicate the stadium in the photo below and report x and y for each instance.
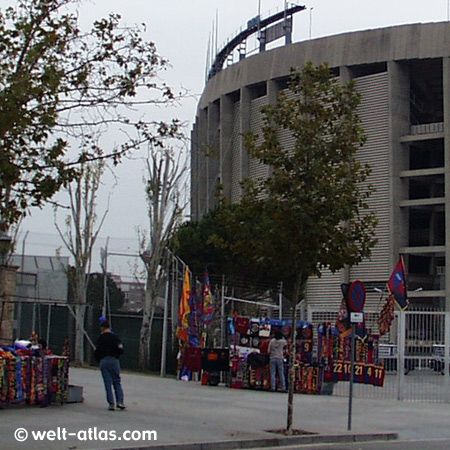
(403, 75)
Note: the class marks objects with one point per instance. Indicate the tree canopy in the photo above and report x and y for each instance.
(61, 88)
(313, 205)
(312, 209)
(311, 213)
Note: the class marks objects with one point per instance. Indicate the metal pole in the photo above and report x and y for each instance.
(447, 354)
(69, 307)
(104, 259)
(222, 315)
(280, 302)
(49, 317)
(352, 364)
(165, 326)
(33, 320)
(174, 293)
(401, 338)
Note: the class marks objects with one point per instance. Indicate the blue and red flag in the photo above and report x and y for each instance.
(195, 311)
(397, 284)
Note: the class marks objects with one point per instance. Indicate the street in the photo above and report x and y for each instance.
(438, 444)
(205, 417)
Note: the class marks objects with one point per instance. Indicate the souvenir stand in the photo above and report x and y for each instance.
(30, 375)
(322, 355)
(368, 369)
(249, 359)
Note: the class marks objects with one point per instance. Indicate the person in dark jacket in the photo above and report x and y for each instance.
(107, 351)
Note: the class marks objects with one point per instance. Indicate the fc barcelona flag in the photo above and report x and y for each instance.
(184, 311)
(397, 284)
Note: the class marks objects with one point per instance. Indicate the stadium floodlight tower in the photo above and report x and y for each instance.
(269, 29)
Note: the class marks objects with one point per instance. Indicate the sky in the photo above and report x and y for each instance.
(181, 30)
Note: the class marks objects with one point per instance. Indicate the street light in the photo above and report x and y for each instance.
(5, 247)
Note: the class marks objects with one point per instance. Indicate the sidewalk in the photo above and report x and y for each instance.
(189, 414)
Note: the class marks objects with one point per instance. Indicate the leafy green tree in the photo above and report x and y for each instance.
(311, 213)
(61, 88)
(194, 243)
(204, 244)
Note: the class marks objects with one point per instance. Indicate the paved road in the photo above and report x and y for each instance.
(439, 444)
(187, 413)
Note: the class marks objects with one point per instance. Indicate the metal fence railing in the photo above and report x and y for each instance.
(419, 343)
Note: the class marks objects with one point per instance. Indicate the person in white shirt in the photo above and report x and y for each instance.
(276, 355)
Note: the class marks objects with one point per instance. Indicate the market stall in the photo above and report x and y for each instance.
(32, 375)
(322, 355)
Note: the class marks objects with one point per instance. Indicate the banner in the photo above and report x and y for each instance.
(195, 311)
(397, 284)
(387, 315)
(343, 319)
(184, 310)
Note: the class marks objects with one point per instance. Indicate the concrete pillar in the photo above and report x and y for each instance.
(194, 172)
(273, 88)
(213, 155)
(7, 294)
(226, 141)
(272, 92)
(245, 128)
(446, 93)
(345, 76)
(198, 166)
(399, 125)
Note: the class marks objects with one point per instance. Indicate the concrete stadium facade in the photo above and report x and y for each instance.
(403, 75)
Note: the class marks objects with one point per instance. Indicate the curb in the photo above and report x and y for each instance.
(272, 442)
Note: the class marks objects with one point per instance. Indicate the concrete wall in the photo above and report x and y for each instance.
(404, 42)
(379, 61)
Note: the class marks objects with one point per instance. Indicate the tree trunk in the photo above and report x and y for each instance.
(80, 312)
(146, 327)
(79, 288)
(290, 409)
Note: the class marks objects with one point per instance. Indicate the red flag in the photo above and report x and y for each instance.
(183, 312)
(397, 284)
(386, 316)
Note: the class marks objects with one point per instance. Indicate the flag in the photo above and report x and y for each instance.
(343, 319)
(397, 284)
(184, 310)
(208, 305)
(386, 316)
(194, 313)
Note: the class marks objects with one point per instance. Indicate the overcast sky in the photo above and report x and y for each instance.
(181, 30)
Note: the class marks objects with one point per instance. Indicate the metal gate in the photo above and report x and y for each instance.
(419, 344)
